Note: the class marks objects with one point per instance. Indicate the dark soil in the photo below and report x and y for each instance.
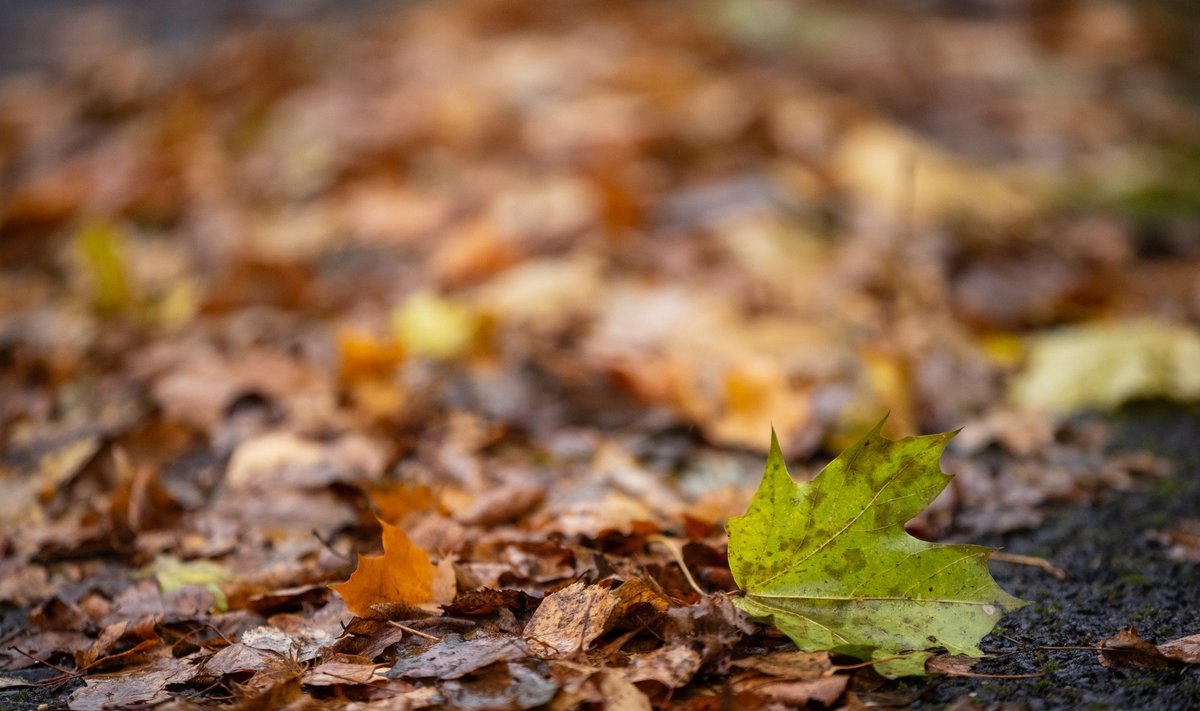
(1118, 577)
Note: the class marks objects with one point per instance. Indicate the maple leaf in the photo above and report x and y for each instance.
(830, 564)
(403, 574)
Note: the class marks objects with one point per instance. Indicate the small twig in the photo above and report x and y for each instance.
(55, 667)
(1058, 573)
(410, 630)
(677, 554)
(995, 676)
(329, 546)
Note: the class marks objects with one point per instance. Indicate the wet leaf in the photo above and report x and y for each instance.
(1128, 649)
(131, 687)
(828, 561)
(454, 657)
(517, 687)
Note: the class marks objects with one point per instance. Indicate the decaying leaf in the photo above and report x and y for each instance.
(673, 666)
(620, 693)
(454, 657)
(131, 687)
(343, 669)
(403, 574)
(570, 620)
(516, 687)
(801, 666)
(1128, 649)
(828, 561)
(793, 692)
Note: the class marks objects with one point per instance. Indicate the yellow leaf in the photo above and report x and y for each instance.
(102, 258)
(435, 327)
(172, 574)
(403, 574)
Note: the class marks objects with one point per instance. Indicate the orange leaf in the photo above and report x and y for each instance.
(394, 501)
(366, 358)
(403, 574)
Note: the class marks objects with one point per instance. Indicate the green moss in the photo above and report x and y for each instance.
(1135, 579)
(1145, 612)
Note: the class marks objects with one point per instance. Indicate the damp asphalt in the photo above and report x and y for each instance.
(1117, 576)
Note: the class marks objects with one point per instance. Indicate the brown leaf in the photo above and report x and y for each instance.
(143, 685)
(234, 659)
(517, 687)
(299, 644)
(501, 505)
(951, 664)
(570, 620)
(454, 657)
(824, 691)
(1183, 540)
(798, 666)
(713, 622)
(343, 669)
(620, 693)
(638, 604)
(1129, 649)
(1184, 649)
(477, 603)
(403, 574)
(672, 666)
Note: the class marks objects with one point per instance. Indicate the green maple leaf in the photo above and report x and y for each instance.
(829, 563)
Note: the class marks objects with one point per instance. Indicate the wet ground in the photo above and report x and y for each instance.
(1117, 577)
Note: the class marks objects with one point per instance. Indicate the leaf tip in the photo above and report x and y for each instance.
(775, 450)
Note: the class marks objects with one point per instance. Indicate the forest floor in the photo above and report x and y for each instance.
(417, 355)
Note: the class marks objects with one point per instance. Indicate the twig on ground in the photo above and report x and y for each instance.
(677, 554)
(418, 633)
(1032, 560)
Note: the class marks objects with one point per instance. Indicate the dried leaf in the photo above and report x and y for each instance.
(1127, 648)
(403, 574)
(672, 666)
(620, 693)
(343, 669)
(800, 666)
(570, 620)
(824, 691)
(1184, 649)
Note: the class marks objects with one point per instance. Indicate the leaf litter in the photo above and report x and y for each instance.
(482, 315)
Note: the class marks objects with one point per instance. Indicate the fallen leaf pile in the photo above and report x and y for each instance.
(481, 312)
